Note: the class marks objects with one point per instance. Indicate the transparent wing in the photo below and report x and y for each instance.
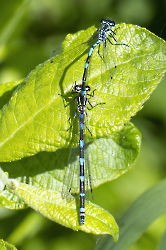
(87, 172)
(72, 51)
(108, 64)
(71, 183)
(71, 179)
(77, 41)
(112, 51)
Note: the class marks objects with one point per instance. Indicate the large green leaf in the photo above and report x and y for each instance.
(50, 204)
(36, 120)
(109, 158)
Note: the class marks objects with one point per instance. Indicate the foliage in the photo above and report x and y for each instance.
(31, 124)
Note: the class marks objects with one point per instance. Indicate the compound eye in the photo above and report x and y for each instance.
(77, 87)
(108, 21)
(112, 23)
(87, 88)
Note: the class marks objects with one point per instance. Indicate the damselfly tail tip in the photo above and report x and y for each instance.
(82, 220)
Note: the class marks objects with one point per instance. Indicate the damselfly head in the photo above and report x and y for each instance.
(108, 21)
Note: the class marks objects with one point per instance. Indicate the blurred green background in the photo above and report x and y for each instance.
(29, 31)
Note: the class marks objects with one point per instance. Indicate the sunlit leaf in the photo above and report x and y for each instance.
(109, 158)
(50, 204)
(6, 246)
(35, 118)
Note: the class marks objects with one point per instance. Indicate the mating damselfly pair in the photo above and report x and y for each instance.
(105, 36)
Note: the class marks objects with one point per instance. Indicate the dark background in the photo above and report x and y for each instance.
(29, 31)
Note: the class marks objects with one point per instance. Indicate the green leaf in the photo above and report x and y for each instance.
(50, 204)
(10, 201)
(150, 206)
(6, 91)
(35, 118)
(109, 158)
(6, 246)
